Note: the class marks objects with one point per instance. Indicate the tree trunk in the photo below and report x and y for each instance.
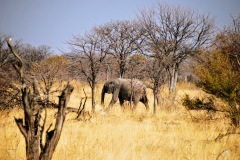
(122, 66)
(173, 76)
(155, 99)
(53, 136)
(31, 128)
(32, 151)
(93, 96)
(154, 102)
(31, 133)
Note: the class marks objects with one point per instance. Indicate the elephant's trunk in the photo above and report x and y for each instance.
(102, 96)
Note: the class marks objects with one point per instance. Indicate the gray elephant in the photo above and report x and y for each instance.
(122, 89)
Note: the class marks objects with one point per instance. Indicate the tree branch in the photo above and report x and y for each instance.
(21, 127)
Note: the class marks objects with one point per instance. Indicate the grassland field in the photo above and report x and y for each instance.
(173, 133)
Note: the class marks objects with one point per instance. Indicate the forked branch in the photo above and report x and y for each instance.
(31, 128)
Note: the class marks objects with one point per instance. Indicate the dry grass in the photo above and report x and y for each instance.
(170, 134)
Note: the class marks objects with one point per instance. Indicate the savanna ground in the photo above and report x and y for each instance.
(172, 133)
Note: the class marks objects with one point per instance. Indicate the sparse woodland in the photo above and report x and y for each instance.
(191, 71)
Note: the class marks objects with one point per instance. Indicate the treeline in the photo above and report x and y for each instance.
(152, 47)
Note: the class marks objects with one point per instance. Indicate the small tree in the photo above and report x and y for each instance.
(155, 71)
(50, 71)
(31, 57)
(9, 90)
(123, 39)
(31, 127)
(218, 77)
(136, 65)
(90, 51)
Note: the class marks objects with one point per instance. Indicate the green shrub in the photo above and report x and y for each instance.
(217, 76)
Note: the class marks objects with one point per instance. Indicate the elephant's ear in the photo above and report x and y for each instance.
(116, 86)
(113, 85)
(110, 85)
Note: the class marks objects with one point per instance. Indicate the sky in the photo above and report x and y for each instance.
(53, 22)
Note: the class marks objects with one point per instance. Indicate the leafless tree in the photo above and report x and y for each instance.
(33, 124)
(90, 51)
(37, 62)
(155, 71)
(135, 70)
(50, 72)
(136, 64)
(5, 56)
(9, 90)
(3, 51)
(123, 38)
(175, 33)
(35, 54)
(228, 40)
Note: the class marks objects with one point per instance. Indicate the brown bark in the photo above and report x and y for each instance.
(30, 127)
(53, 136)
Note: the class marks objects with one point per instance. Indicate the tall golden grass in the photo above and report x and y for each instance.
(172, 133)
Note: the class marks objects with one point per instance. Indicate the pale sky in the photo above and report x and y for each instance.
(53, 22)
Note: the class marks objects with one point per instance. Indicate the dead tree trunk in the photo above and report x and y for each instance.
(31, 127)
(53, 136)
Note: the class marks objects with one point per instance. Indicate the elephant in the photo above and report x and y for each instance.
(122, 89)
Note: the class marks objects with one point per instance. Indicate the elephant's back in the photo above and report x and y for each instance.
(136, 84)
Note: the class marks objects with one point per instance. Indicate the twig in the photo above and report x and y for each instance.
(80, 110)
(220, 136)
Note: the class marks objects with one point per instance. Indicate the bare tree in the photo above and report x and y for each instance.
(175, 33)
(50, 72)
(31, 127)
(228, 41)
(123, 37)
(38, 63)
(35, 54)
(155, 71)
(136, 65)
(91, 50)
(4, 56)
(9, 90)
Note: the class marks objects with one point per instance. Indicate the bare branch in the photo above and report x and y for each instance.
(21, 127)
(53, 136)
(19, 65)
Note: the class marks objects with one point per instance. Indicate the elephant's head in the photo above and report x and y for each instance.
(109, 88)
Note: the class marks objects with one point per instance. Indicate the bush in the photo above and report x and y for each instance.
(217, 76)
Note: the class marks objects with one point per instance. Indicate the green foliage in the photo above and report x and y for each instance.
(219, 77)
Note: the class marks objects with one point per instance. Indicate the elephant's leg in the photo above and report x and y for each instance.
(146, 105)
(134, 105)
(144, 100)
(112, 102)
(121, 101)
(114, 99)
(135, 102)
